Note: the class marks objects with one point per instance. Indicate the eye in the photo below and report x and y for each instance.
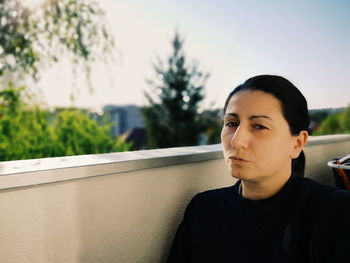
(231, 124)
(259, 127)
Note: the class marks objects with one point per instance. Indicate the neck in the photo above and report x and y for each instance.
(262, 189)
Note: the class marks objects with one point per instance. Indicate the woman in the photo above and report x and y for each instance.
(273, 213)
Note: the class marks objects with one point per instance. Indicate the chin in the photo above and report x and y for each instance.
(241, 175)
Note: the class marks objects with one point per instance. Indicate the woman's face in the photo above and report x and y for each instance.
(256, 139)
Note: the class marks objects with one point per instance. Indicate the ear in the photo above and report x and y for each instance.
(299, 143)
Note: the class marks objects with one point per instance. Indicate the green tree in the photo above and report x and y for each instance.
(331, 125)
(345, 120)
(335, 123)
(32, 38)
(29, 132)
(318, 115)
(76, 133)
(24, 132)
(173, 118)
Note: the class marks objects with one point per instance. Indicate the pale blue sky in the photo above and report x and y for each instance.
(306, 41)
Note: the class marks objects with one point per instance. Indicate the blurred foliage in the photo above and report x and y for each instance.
(173, 117)
(335, 123)
(213, 125)
(318, 115)
(76, 133)
(24, 133)
(30, 132)
(34, 37)
(345, 120)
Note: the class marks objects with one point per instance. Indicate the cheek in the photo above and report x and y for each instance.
(273, 153)
(224, 137)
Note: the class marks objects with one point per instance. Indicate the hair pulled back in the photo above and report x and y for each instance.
(293, 106)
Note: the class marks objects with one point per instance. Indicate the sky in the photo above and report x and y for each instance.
(308, 42)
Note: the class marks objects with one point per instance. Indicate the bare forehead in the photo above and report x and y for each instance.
(254, 103)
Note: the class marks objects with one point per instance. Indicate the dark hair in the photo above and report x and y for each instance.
(293, 106)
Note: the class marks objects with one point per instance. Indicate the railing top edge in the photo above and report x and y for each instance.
(178, 154)
(324, 139)
(32, 165)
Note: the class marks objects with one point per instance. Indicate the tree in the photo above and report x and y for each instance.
(213, 124)
(32, 38)
(335, 123)
(173, 118)
(28, 132)
(76, 133)
(24, 133)
(331, 125)
(345, 120)
(318, 115)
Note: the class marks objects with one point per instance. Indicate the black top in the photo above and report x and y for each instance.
(305, 222)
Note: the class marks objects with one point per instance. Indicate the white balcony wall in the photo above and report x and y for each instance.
(120, 207)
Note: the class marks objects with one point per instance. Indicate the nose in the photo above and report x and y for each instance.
(240, 138)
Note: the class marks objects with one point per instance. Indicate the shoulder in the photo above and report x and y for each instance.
(214, 198)
(317, 200)
(312, 185)
(326, 203)
(330, 209)
(215, 194)
(323, 191)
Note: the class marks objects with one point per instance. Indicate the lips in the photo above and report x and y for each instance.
(237, 158)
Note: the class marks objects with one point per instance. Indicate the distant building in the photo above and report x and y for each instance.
(138, 138)
(124, 118)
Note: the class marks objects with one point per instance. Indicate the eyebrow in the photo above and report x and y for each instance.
(250, 118)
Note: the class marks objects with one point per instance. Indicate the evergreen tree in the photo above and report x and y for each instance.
(173, 119)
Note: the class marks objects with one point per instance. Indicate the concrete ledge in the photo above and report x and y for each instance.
(48, 170)
(23, 173)
(317, 140)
